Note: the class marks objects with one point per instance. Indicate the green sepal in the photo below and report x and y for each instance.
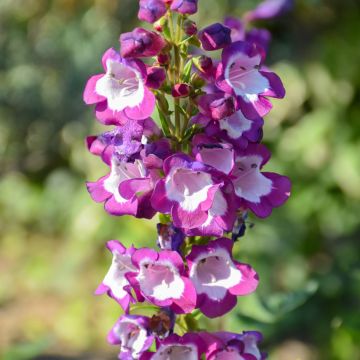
(164, 218)
(187, 72)
(164, 122)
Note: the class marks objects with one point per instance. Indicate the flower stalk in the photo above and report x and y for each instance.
(200, 167)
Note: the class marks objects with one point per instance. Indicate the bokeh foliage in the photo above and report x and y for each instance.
(52, 235)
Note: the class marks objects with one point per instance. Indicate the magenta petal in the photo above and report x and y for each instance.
(249, 280)
(144, 109)
(109, 117)
(212, 308)
(126, 208)
(130, 188)
(277, 89)
(90, 95)
(159, 200)
(186, 304)
(97, 190)
(189, 220)
(174, 257)
(144, 253)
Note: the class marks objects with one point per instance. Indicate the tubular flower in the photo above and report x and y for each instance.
(120, 94)
(240, 74)
(141, 43)
(151, 10)
(218, 279)
(188, 347)
(226, 346)
(132, 334)
(188, 7)
(115, 283)
(161, 280)
(189, 192)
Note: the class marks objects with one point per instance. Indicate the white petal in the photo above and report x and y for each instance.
(160, 280)
(214, 274)
(122, 86)
(115, 278)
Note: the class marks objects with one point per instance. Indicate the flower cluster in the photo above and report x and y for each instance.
(200, 166)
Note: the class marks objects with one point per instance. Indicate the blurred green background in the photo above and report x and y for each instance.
(52, 252)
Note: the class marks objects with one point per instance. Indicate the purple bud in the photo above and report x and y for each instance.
(260, 37)
(163, 59)
(205, 64)
(169, 237)
(214, 37)
(155, 77)
(185, 6)
(237, 28)
(180, 90)
(190, 27)
(151, 10)
(141, 43)
(216, 106)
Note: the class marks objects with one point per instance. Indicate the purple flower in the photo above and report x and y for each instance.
(258, 191)
(225, 345)
(151, 10)
(269, 9)
(123, 141)
(191, 194)
(141, 43)
(170, 237)
(239, 74)
(237, 28)
(155, 77)
(126, 190)
(185, 6)
(115, 284)
(256, 36)
(188, 347)
(235, 129)
(132, 334)
(180, 90)
(260, 37)
(214, 37)
(161, 279)
(220, 156)
(120, 94)
(217, 106)
(217, 278)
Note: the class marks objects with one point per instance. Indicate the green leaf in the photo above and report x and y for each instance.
(187, 71)
(164, 123)
(182, 110)
(191, 131)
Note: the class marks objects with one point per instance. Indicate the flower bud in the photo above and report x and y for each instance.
(214, 37)
(189, 27)
(197, 81)
(185, 6)
(163, 59)
(180, 90)
(216, 106)
(155, 77)
(204, 64)
(141, 43)
(151, 10)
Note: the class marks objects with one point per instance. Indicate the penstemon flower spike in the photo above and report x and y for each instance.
(200, 168)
